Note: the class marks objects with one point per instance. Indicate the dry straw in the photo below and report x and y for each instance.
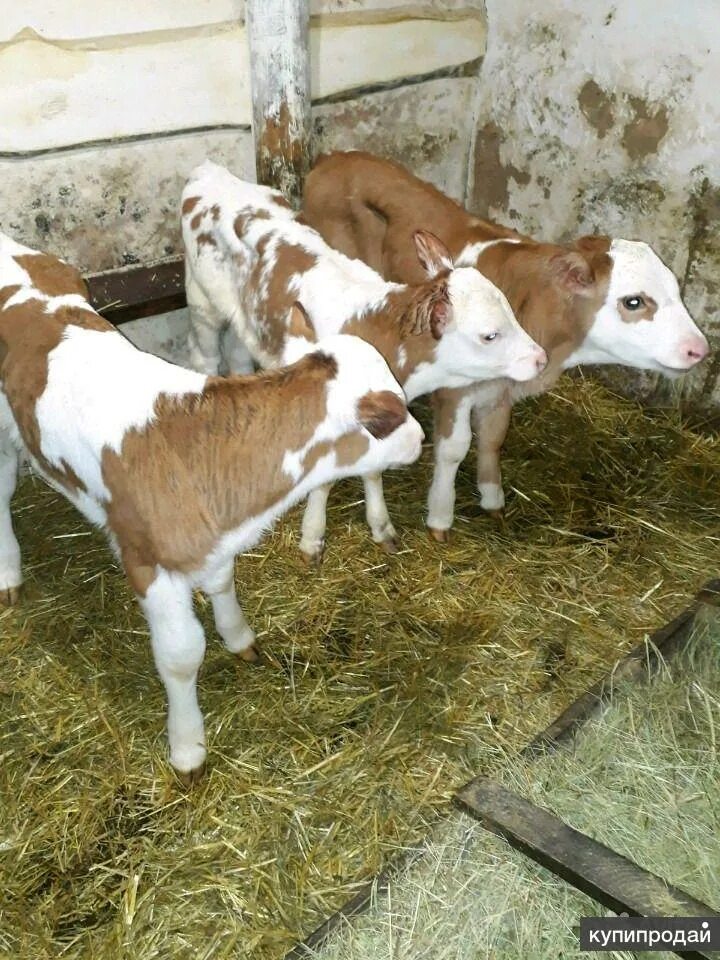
(641, 777)
(387, 682)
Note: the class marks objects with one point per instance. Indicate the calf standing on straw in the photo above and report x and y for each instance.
(248, 258)
(182, 470)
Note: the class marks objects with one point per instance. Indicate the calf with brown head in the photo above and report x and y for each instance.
(451, 328)
(599, 300)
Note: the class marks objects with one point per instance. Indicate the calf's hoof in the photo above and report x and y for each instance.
(249, 654)
(391, 545)
(313, 556)
(190, 778)
(442, 536)
(497, 515)
(9, 596)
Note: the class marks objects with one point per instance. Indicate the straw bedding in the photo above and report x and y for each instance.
(642, 777)
(385, 684)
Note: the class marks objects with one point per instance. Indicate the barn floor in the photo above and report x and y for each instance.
(386, 684)
(642, 778)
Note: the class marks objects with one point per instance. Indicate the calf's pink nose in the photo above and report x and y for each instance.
(695, 348)
(540, 359)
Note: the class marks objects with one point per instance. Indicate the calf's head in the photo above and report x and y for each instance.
(641, 321)
(479, 336)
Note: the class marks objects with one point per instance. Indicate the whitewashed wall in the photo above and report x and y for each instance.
(602, 116)
(106, 107)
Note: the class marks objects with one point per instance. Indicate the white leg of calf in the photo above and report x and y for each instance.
(238, 358)
(376, 513)
(314, 523)
(178, 646)
(449, 453)
(203, 341)
(237, 634)
(10, 574)
(491, 496)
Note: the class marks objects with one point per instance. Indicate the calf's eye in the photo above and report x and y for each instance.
(633, 303)
(489, 337)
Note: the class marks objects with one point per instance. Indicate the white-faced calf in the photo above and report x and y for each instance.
(182, 470)
(248, 260)
(598, 300)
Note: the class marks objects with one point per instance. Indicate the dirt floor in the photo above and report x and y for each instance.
(387, 683)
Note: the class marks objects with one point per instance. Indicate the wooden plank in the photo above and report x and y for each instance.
(278, 34)
(122, 295)
(591, 867)
(664, 642)
(639, 662)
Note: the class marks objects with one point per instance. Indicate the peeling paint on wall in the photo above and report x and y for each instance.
(581, 128)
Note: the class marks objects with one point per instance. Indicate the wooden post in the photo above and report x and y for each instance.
(278, 34)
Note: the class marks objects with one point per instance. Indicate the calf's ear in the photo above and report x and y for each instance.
(593, 243)
(574, 273)
(381, 412)
(300, 324)
(432, 253)
(435, 310)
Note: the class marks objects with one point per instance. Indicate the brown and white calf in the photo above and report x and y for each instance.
(182, 470)
(248, 259)
(598, 300)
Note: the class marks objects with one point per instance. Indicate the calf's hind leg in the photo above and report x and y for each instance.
(178, 646)
(237, 634)
(10, 573)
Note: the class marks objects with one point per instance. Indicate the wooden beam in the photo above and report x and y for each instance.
(132, 292)
(601, 873)
(278, 35)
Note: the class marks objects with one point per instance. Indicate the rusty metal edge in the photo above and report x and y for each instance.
(639, 662)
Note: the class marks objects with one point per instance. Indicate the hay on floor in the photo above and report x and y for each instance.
(642, 778)
(387, 683)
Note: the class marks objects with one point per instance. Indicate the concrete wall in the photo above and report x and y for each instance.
(105, 109)
(597, 115)
(587, 115)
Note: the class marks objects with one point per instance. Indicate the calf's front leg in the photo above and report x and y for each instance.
(314, 524)
(451, 438)
(178, 646)
(376, 513)
(491, 428)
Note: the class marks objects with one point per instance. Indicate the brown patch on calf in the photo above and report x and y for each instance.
(189, 204)
(243, 221)
(646, 312)
(300, 324)
(205, 239)
(210, 453)
(195, 222)
(381, 412)
(27, 335)
(215, 212)
(51, 276)
(289, 260)
(348, 450)
(7, 292)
